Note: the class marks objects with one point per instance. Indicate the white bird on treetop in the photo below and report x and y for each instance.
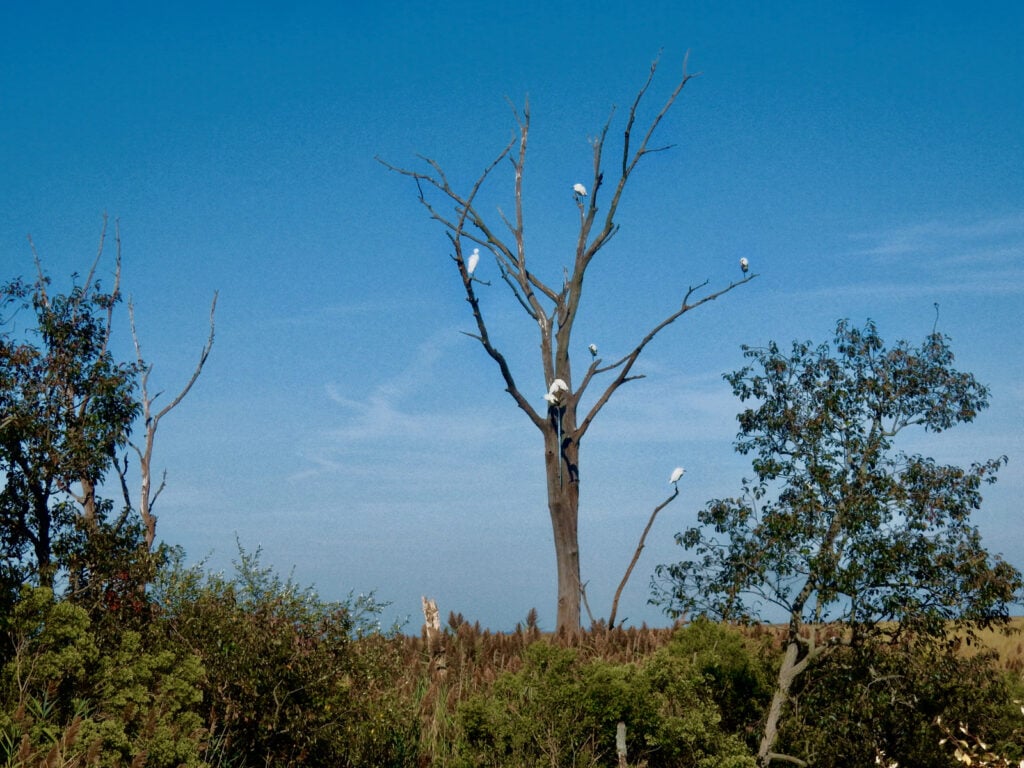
(677, 473)
(593, 349)
(474, 259)
(744, 265)
(555, 391)
(579, 189)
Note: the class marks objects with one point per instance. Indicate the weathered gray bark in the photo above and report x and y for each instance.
(151, 420)
(788, 672)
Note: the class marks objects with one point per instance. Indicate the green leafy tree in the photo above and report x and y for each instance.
(562, 416)
(67, 406)
(839, 526)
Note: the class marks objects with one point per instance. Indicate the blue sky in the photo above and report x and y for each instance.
(866, 157)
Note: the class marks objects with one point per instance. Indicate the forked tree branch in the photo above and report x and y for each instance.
(585, 252)
(555, 323)
(147, 495)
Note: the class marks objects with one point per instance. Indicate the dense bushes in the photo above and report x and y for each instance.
(286, 682)
(62, 695)
(559, 706)
(249, 669)
(244, 670)
(559, 710)
(860, 702)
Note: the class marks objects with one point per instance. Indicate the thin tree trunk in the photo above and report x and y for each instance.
(42, 542)
(787, 674)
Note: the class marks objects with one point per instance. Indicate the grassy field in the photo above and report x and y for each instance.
(1008, 645)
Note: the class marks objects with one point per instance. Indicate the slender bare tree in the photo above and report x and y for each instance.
(151, 421)
(552, 308)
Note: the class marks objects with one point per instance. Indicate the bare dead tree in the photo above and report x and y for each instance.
(151, 422)
(553, 309)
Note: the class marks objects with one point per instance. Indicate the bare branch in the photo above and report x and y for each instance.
(485, 340)
(636, 556)
(514, 286)
(511, 260)
(203, 355)
(586, 603)
(587, 247)
(626, 363)
(464, 205)
(99, 253)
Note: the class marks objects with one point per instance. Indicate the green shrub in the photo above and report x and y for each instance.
(861, 701)
(61, 694)
(290, 679)
(560, 709)
(737, 672)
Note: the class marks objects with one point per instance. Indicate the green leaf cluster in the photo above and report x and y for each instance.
(122, 698)
(838, 523)
(857, 702)
(66, 407)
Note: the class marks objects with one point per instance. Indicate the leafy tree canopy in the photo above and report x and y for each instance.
(66, 406)
(837, 523)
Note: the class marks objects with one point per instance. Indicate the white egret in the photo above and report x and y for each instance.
(474, 259)
(593, 349)
(744, 265)
(555, 391)
(558, 386)
(677, 473)
(579, 189)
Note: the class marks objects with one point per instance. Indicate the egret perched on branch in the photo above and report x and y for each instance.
(474, 259)
(579, 189)
(744, 265)
(555, 391)
(677, 474)
(593, 349)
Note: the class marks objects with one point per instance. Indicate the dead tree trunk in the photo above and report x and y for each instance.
(560, 464)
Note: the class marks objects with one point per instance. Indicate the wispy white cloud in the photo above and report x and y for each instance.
(407, 413)
(933, 258)
(982, 239)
